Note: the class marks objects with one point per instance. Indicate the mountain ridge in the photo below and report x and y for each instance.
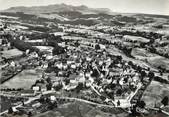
(57, 8)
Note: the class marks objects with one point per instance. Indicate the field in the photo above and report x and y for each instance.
(25, 80)
(153, 59)
(155, 93)
(159, 61)
(141, 53)
(45, 48)
(77, 109)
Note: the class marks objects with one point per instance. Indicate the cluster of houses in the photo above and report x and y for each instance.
(104, 73)
(83, 66)
(93, 68)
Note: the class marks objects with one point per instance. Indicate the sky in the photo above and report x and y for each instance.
(124, 6)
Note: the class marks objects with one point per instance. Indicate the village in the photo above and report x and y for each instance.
(89, 64)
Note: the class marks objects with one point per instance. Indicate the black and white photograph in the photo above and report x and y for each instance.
(84, 58)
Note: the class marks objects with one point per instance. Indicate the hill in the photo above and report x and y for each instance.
(57, 8)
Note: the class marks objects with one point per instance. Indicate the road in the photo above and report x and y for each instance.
(157, 109)
(69, 98)
(125, 103)
(27, 102)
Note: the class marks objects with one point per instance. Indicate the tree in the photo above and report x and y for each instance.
(10, 110)
(141, 104)
(134, 112)
(79, 87)
(97, 47)
(127, 51)
(29, 114)
(118, 103)
(95, 73)
(165, 101)
(130, 63)
(143, 74)
(50, 64)
(119, 92)
(139, 69)
(142, 45)
(58, 50)
(58, 87)
(67, 81)
(42, 99)
(23, 46)
(48, 80)
(76, 44)
(4, 41)
(5, 26)
(102, 97)
(119, 58)
(49, 86)
(151, 75)
(52, 105)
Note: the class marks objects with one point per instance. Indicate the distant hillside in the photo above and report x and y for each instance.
(57, 8)
(153, 15)
(75, 15)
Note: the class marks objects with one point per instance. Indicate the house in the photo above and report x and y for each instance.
(36, 88)
(59, 65)
(35, 41)
(41, 86)
(27, 93)
(69, 62)
(34, 55)
(87, 74)
(45, 65)
(88, 58)
(81, 78)
(49, 57)
(135, 39)
(65, 66)
(73, 82)
(12, 64)
(71, 86)
(36, 105)
(1, 25)
(72, 78)
(59, 33)
(73, 66)
(62, 44)
(1, 41)
(107, 81)
(102, 46)
(52, 98)
(89, 82)
(136, 78)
